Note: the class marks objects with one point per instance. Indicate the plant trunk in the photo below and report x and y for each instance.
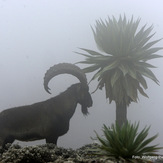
(121, 114)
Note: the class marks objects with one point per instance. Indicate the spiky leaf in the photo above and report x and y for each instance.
(125, 141)
(122, 63)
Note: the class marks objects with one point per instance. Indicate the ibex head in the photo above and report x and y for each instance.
(81, 89)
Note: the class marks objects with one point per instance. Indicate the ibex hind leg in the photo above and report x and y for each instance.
(3, 143)
(9, 140)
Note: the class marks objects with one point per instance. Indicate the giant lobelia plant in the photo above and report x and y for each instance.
(121, 66)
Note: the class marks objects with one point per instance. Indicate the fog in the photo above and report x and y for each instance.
(35, 35)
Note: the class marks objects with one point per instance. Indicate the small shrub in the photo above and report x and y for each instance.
(125, 142)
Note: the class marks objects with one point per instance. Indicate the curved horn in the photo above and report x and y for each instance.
(64, 68)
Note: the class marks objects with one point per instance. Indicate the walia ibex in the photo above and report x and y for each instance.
(48, 119)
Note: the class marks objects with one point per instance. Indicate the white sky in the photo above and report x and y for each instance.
(36, 34)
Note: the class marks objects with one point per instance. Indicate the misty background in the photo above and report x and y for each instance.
(36, 34)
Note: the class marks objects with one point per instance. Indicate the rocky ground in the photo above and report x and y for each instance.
(50, 153)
